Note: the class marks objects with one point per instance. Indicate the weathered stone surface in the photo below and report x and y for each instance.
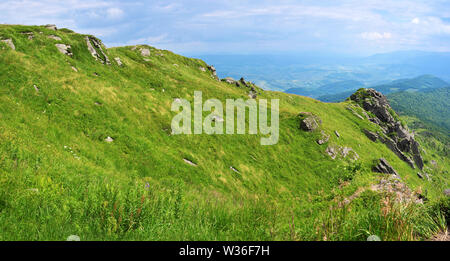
(309, 122)
(203, 69)
(331, 151)
(325, 137)
(64, 49)
(9, 42)
(396, 136)
(384, 167)
(190, 162)
(92, 42)
(145, 52)
(230, 80)
(54, 37)
(109, 139)
(51, 27)
(118, 61)
(74, 69)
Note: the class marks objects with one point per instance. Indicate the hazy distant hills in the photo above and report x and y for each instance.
(342, 86)
(307, 72)
(421, 83)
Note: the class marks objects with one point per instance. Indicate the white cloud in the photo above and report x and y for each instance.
(415, 21)
(374, 36)
(114, 13)
(151, 40)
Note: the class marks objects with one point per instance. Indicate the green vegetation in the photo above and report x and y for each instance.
(58, 176)
(431, 106)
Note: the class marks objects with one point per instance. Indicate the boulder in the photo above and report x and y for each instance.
(203, 69)
(337, 134)
(10, 43)
(190, 162)
(92, 42)
(213, 71)
(109, 139)
(309, 122)
(384, 167)
(64, 49)
(331, 151)
(51, 27)
(118, 61)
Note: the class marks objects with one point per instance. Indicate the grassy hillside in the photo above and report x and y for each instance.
(59, 177)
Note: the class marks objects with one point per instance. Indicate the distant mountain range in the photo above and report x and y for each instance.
(421, 83)
(307, 72)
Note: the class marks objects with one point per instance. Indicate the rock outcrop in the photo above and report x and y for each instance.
(51, 27)
(395, 135)
(309, 121)
(54, 37)
(212, 69)
(94, 42)
(145, 52)
(384, 167)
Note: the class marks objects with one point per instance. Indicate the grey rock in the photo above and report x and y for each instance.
(325, 137)
(36, 88)
(51, 27)
(331, 151)
(54, 37)
(118, 61)
(309, 122)
(64, 49)
(203, 69)
(384, 167)
(337, 134)
(9, 42)
(74, 69)
(109, 139)
(190, 162)
(145, 52)
(447, 192)
(92, 42)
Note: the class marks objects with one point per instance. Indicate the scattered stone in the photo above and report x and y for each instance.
(118, 61)
(145, 52)
(447, 192)
(325, 137)
(398, 191)
(10, 43)
(176, 65)
(419, 175)
(331, 151)
(51, 27)
(349, 152)
(337, 134)
(75, 69)
(73, 238)
(30, 35)
(384, 167)
(433, 162)
(54, 37)
(36, 88)
(252, 95)
(35, 190)
(190, 162)
(309, 122)
(109, 139)
(147, 60)
(64, 49)
(202, 69)
(234, 169)
(373, 238)
(230, 80)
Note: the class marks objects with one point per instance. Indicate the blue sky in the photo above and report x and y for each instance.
(246, 27)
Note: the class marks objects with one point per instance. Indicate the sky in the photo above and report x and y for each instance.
(248, 27)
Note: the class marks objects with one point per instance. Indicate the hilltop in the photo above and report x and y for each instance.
(86, 149)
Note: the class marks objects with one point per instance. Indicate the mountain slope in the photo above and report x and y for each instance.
(430, 105)
(87, 149)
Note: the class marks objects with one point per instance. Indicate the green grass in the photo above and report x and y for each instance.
(58, 177)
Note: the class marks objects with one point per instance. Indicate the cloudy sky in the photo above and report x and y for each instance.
(255, 26)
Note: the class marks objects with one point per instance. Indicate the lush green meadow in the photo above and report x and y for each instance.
(58, 176)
